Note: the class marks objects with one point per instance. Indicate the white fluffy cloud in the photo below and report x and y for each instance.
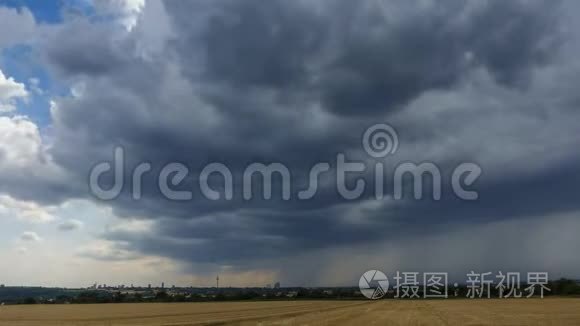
(10, 92)
(126, 12)
(25, 210)
(20, 142)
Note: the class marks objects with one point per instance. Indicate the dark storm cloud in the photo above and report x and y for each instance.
(263, 44)
(432, 50)
(240, 237)
(518, 37)
(297, 82)
(82, 48)
(355, 58)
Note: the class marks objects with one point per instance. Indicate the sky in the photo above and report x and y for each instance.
(489, 83)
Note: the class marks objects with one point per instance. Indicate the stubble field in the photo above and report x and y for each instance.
(553, 311)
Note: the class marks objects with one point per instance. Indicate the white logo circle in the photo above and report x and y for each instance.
(373, 284)
(380, 140)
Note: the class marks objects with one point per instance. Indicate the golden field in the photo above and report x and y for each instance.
(552, 311)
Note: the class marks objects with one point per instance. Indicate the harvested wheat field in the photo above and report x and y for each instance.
(561, 311)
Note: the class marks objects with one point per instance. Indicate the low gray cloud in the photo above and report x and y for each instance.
(19, 26)
(30, 236)
(70, 225)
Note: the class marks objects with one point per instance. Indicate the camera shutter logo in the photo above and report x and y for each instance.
(373, 284)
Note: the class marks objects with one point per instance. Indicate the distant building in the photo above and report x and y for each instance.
(277, 285)
(292, 294)
(163, 285)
